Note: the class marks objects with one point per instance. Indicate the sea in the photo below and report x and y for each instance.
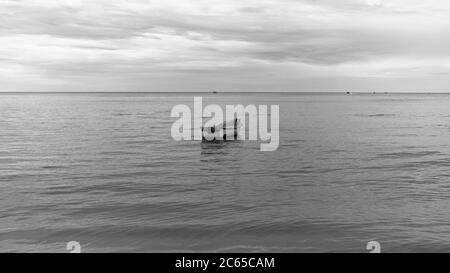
(102, 169)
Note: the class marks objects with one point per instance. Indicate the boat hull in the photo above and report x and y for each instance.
(221, 135)
(226, 131)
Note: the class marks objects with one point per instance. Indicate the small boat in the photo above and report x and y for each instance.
(225, 131)
(215, 92)
(348, 93)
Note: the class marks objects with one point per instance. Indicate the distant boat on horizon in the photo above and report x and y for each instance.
(215, 92)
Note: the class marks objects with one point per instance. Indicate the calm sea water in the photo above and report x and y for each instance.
(103, 170)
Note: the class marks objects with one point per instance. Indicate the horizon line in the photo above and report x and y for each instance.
(230, 92)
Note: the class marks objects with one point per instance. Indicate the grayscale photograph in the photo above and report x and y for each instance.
(231, 126)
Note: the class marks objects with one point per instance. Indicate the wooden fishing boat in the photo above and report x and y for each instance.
(225, 131)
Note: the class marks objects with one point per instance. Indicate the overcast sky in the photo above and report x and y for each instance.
(225, 45)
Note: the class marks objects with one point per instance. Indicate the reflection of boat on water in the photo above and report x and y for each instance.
(224, 131)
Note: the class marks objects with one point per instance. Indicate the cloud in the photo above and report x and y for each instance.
(198, 45)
